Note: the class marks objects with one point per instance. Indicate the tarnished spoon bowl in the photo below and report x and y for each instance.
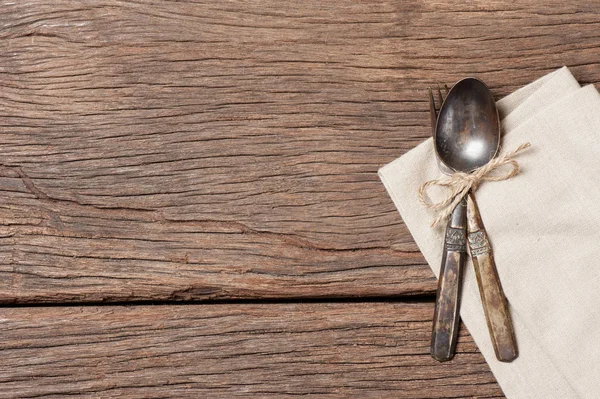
(467, 135)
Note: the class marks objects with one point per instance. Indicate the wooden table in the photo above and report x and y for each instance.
(189, 200)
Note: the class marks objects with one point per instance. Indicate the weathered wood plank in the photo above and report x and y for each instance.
(173, 150)
(342, 350)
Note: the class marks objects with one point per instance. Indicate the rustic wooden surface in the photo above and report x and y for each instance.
(191, 150)
(341, 350)
(227, 150)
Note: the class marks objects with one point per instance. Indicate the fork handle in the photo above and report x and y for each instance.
(446, 315)
(494, 302)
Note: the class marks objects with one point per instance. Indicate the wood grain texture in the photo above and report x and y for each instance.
(161, 150)
(342, 350)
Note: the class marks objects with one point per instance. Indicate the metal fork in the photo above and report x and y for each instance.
(492, 295)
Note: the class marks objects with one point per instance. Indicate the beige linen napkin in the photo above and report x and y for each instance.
(544, 226)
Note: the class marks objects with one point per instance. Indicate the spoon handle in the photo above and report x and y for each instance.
(446, 316)
(494, 302)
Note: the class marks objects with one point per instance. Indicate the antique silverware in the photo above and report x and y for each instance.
(471, 116)
(494, 301)
(446, 318)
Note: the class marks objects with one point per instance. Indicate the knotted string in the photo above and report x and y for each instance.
(458, 184)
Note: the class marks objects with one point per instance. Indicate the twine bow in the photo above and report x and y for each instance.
(458, 184)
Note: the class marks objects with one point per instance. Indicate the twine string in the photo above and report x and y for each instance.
(458, 184)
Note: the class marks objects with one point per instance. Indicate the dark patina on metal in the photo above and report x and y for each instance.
(494, 301)
(446, 316)
(466, 135)
(467, 129)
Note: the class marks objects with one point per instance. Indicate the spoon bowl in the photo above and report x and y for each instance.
(467, 134)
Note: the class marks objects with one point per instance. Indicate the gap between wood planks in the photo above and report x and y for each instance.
(410, 299)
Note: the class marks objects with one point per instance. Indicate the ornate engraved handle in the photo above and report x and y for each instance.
(494, 302)
(446, 316)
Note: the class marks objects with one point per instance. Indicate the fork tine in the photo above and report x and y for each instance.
(432, 110)
(440, 97)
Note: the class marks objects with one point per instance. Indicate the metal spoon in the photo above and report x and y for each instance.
(467, 136)
(446, 315)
